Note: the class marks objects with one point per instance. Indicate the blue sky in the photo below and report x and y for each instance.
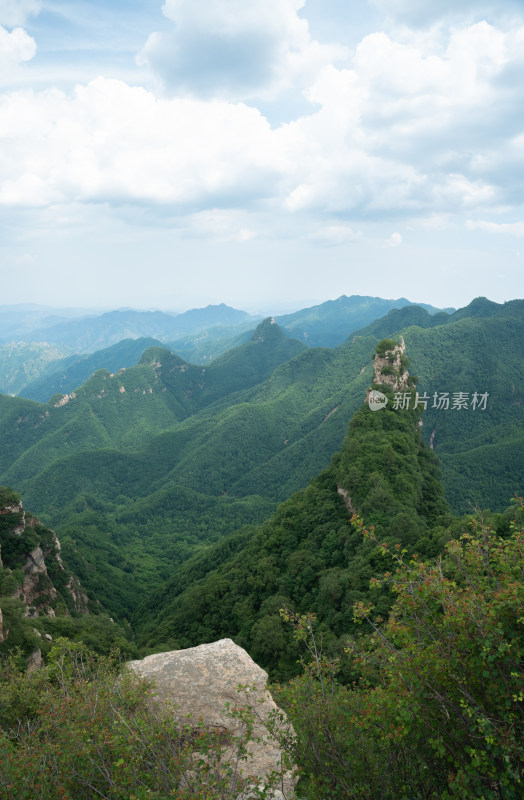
(266, 154)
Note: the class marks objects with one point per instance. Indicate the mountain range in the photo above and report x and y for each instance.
(44, 359)
(143, 468)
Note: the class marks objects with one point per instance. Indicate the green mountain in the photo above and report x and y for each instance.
(64, 375)
(141, 468)
(40, 598)
(330, 323)
(22, 363)
(308, 556)
(398, 319)
(207, 344)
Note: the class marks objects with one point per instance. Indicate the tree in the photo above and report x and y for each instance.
(435, 710)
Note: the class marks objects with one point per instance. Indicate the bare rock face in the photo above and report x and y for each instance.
(200, 681)
(3, 632)
(34, 661)
(389, 369)
(36, 589)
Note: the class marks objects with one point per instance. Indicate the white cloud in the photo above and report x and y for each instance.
(236, 49)
(15, 48)
(16, 12)
(111, 142)
(335, 235)
(407, 130)
(511, 228)
(395, 240)
(221, 224)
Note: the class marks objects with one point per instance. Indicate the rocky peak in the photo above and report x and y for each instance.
(391, 364)
(268, 330)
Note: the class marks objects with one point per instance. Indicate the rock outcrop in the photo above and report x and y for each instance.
(389, 366)
(201, 680)
(30, 549)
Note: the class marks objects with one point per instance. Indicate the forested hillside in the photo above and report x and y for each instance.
(309, 556)
(22, 363)
(67, 374)
(142, 467)
(40, 598)
(330, 323)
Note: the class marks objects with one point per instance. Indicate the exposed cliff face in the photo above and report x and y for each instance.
(31, 568)
(390, 365)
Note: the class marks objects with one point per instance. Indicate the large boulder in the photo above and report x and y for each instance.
(200, 681)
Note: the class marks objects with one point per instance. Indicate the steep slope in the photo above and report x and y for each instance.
(34, 580)
(308, 556)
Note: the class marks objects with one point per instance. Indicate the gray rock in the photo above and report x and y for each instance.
(34, 661)
(200, 681)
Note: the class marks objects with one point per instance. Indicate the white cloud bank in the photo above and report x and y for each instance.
(412, 127)
(236, 49)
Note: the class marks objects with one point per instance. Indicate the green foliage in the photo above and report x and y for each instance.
(138, 481)
(23, 362)
(435, 709)
(8, 497)
(67, 374)
(82, 728)
(385, 345)
(308, 555)
(330, 323)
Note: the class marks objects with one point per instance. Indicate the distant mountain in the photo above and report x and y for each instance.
(88, 334)
(71, 372)
(330, 323)
(325, 325)
(209, 343)
(21, 363)
(197, 319)
(16, 321)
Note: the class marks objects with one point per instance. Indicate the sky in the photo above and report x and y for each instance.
(268, 154)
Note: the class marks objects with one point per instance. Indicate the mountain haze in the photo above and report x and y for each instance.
(88, 334)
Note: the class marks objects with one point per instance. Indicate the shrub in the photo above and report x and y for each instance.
(436, 711)
(83, 728)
